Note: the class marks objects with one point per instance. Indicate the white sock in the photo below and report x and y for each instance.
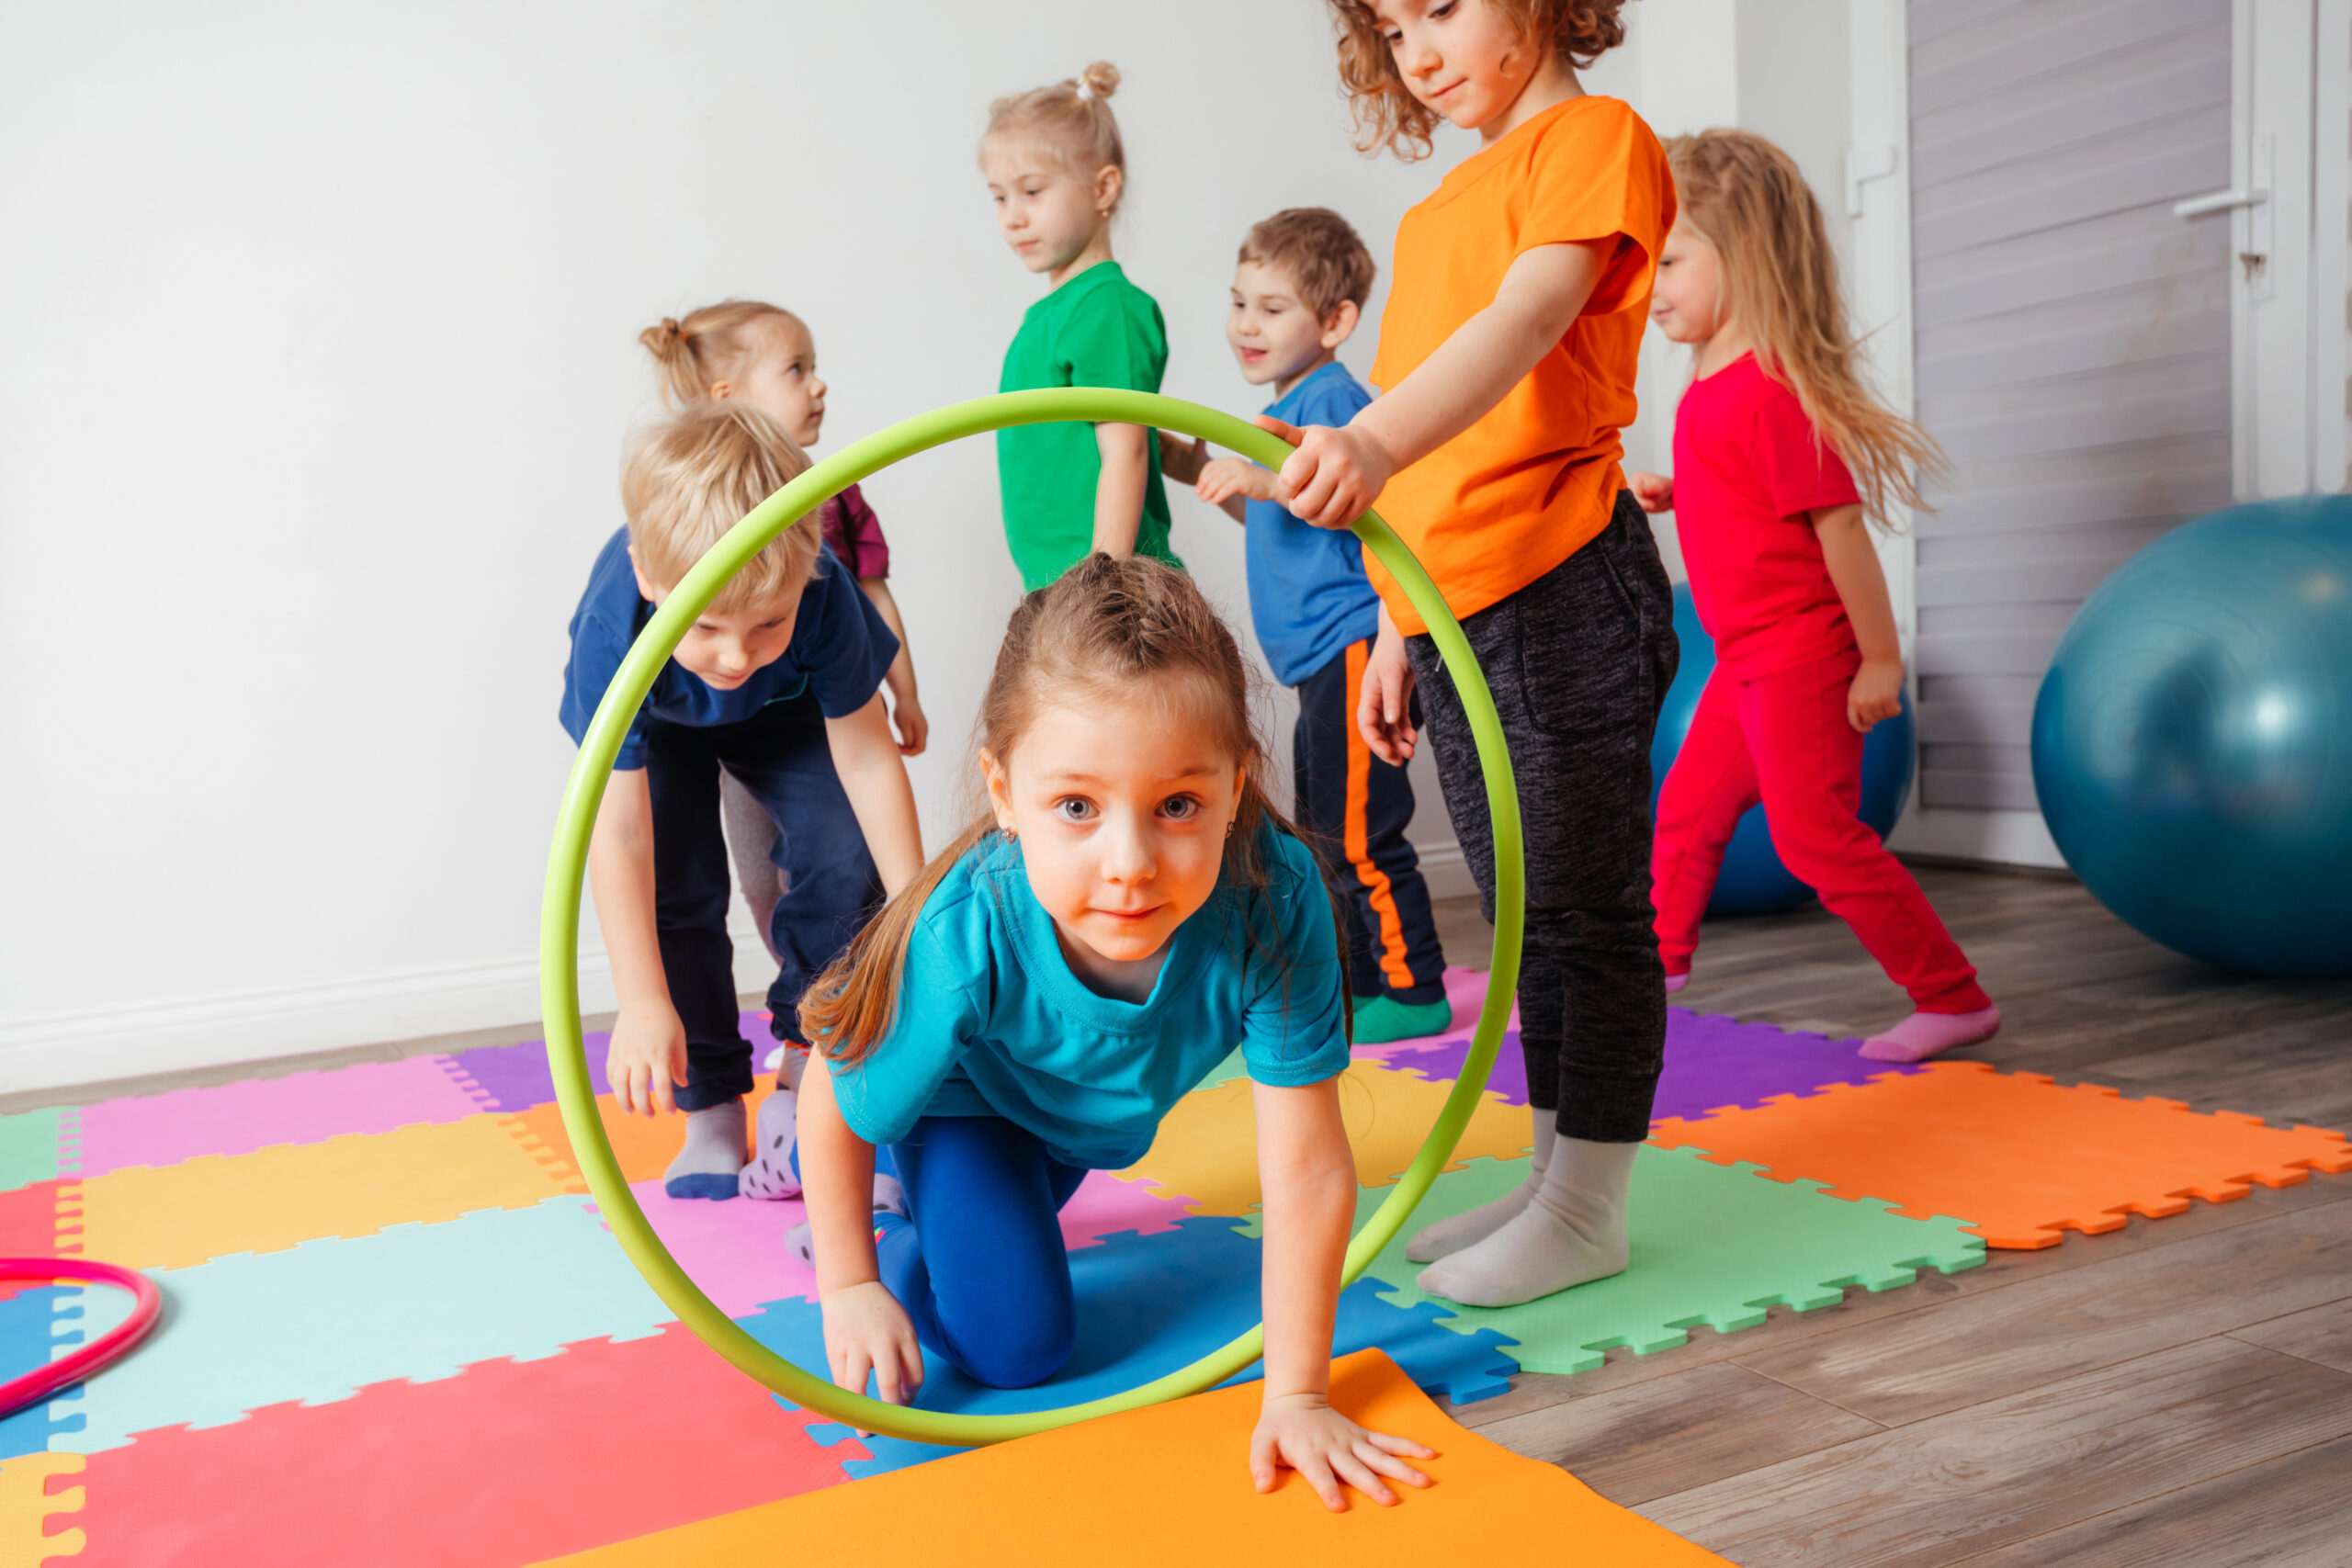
(1473, 1225)
(1572, 1230)
(770, 1173)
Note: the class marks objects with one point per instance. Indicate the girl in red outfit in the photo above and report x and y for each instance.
(1781, 455)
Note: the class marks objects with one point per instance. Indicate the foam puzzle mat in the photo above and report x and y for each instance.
(396, 1329)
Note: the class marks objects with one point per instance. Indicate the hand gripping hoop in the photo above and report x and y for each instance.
(560, 910)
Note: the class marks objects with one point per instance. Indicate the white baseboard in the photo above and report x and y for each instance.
(2000, 837)
(63, 1049)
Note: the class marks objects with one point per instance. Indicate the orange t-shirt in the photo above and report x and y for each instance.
(1536, 476)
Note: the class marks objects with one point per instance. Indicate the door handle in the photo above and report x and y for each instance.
(2219, 202)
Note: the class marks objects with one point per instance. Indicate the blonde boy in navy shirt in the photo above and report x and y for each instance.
(779, 683)
(1298, 292)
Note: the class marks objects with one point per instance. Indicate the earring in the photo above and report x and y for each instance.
(1011, 835)
(1228, 828)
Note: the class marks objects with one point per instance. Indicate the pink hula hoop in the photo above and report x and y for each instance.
(147, 1305)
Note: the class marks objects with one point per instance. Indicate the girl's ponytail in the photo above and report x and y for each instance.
(850, 1007)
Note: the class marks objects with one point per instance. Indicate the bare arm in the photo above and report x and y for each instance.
(1118, 492)
(914, 731)
(874, 777)
(865, 1328)
(1852, 559)
(648, 1052)
(1336, 474)
(1309, 1178)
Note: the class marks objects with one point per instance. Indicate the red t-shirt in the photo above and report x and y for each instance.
(1747, 467)
(855, 534)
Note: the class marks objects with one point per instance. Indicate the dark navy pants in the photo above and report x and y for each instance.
(831, 888)
(1354, 808)
(982, 1269)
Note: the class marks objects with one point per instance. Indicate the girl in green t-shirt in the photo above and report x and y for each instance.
(1055, 170)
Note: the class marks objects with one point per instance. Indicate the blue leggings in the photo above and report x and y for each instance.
(981, 1269)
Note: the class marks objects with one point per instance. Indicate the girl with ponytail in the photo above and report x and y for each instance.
(1127, 906)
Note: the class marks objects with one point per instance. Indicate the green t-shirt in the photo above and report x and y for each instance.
(1097, 329)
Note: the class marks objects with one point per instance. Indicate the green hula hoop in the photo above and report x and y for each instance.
(567, 866)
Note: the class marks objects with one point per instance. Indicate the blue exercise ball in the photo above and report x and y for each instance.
(2192, 741)
(1753, 881)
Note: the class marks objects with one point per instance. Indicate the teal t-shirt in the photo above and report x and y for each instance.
(1097, 329)
(991, 1022)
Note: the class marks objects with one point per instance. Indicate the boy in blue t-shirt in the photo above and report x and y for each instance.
(779, 682)
(1298, 293)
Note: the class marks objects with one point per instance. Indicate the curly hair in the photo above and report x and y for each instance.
(1390, 118)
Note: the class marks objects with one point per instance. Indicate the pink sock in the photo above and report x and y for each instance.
(1676, 982)
(1924, 1035)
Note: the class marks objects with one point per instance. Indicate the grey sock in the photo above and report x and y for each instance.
(1572, 1230)
(705, 1167)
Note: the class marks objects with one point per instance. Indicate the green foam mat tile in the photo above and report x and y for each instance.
(1712, 1244)
(38, 1145)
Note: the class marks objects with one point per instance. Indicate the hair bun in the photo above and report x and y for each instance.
(1102, 78)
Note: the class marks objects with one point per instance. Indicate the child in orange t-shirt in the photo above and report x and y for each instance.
(1507, 356)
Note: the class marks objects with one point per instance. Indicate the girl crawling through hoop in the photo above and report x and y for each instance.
(1032, 1005)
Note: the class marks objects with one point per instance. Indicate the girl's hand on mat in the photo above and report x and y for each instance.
(1384, 704)
(1334, 475)
(646, 1056)
(1302, 1431)
(1876, 694)
(868, 1331)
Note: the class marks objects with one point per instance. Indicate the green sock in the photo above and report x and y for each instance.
(1382, 1020)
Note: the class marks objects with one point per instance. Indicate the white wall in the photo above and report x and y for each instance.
(318, 353)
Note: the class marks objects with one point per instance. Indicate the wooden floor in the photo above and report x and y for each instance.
(2178, 1392)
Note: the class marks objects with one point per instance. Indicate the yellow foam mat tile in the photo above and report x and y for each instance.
(1168, 1487)
(180, 1215)
(1207, 1149)
(25, 1504)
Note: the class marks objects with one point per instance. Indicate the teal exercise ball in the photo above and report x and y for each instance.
(2192, 740)
(1753, 881)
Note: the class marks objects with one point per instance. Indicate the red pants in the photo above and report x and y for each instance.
(1783, 739)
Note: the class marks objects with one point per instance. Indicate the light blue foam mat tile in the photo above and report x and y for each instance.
(317, 1321)
(37, 1326)
(1713, 1245)
(1147, 1305)
(38, 1145)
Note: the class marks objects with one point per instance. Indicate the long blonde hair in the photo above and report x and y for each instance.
(1070, 121)
(1747, 197)
(1107, 629)
(710, 344)
(692, 476)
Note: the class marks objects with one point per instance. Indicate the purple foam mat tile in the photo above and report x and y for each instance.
(1710, 1063)
(515, 1078)
(157, 1130)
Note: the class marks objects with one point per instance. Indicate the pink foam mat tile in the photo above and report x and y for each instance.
(739, 1250)
(158, 1129)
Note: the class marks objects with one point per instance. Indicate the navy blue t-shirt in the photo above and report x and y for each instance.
(841, 648)
(1309, 595)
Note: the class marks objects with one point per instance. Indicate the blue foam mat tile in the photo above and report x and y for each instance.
(36, 1324)
(1147, 1305)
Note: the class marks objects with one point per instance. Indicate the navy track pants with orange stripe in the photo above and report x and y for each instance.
(1354, 808)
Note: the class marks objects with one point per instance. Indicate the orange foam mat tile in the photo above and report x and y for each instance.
(30, 1501)
(643, 1145)
(1207, 1146)
(1171, 1485)
(215, 1205)
(2020, 1158)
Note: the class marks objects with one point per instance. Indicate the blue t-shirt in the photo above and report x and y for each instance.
(841, 648)
(991, 1022)
(1309, 595)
